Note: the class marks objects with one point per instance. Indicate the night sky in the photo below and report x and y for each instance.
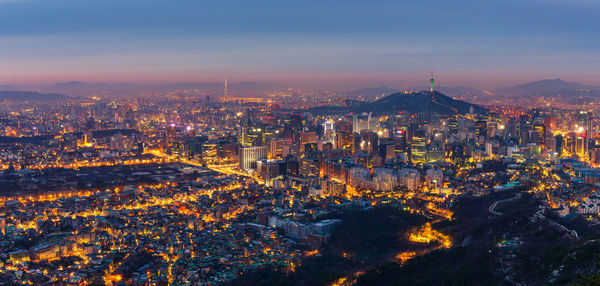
(323, 43)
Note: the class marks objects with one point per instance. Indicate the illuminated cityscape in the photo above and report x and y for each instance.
(280, 145)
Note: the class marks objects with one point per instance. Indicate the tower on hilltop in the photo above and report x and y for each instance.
(431, 82)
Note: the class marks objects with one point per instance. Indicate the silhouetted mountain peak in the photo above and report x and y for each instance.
(540, 86)
(423, 101)
(30, 96)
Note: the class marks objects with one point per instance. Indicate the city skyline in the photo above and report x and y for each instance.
(310, 44)
(315, 142)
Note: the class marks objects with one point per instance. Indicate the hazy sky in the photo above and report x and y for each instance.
(479, 43)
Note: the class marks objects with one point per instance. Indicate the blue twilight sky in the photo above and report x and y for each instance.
(325, 43)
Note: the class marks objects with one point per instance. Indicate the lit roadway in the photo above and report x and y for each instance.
(228, 169)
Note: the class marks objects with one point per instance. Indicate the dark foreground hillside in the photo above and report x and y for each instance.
(365, 239)
(515, 248)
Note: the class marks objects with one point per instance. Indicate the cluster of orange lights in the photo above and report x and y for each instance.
(426, 234)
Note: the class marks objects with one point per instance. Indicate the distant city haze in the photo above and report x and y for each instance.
(303, 44)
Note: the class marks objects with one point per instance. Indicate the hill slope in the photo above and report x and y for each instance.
(30, 95)
(540, 87)
(549, 91)
(423, 101)
(365, 238)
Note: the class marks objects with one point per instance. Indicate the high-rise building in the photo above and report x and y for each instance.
(171, 131)
(452, 126)
(253, 135)
(279, 148)
(558, 144)
(308, 167)
(250, 155)
(193, 147)
(361, 122)
(481, 128)
(418, 147)
(307, 138)
(328, 131)
(539, 130)
(594, 154)
(550, 142)
(369, 141)
(356, 142)
(511, 129)
(228, 151)
(569, 144)
(343, 133)
(586, 122)
(387, 150)
(524, 129)
(581, 146)
(90, 124)
(551, 123)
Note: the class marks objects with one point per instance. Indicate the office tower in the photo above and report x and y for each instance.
(328, 131)
(586, 122)
(361, 122)
(228, 151)
(356, 140)
(512, 129)
(481, 128)
(550, 143)
(344, 135)
(452, 126)
(308, 167)
(387, 150)
(539, 129)
(558, 144)
(418, 146)
(307, 138)
(250, 155)
(90, 124)
(253, 135)
(594, 154)
(551, 123)
(369, 141)
(524, 129)
(279, 148)
(193, 147)
(581, 147)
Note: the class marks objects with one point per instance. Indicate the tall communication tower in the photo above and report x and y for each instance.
(431, 80)
(225, 89)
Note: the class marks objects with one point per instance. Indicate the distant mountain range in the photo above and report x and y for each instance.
(540, 87)
(550, 91)
(10, 95)
(537, 92)
(77, 88)
(7, 87)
